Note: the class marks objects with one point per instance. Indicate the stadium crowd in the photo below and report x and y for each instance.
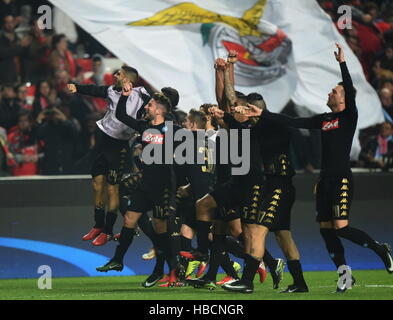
(44, 130)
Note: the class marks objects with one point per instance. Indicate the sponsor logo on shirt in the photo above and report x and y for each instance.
(153, 138)
(330, 125)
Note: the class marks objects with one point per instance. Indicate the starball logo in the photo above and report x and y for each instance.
(181, 147)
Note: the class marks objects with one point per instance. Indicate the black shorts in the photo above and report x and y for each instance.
(185, 209)
(334, 198)
(201, 182)
(237, 198)
(110, 157)
(159, 197)
(278, 197)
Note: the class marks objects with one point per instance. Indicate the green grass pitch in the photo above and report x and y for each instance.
(371, 285)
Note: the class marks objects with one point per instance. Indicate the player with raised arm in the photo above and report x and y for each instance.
(334, 190)
(111, 150)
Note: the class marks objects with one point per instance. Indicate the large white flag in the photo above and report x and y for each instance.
(285, 47)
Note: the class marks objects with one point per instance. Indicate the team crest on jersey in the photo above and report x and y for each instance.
(330, 125)
(153, 138)
(263, 48)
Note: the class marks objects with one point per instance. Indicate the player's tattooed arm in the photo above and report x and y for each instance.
(220, 66)
(231, 60)
(229, 89)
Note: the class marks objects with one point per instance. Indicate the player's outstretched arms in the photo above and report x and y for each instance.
(286, 121)
(88, 90)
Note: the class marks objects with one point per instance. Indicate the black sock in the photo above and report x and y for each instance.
(186, 244)
(295, 269)
(110, 220)
(99, 218)
(174, 233)
(123, 205)
(217, 252)
(203, 230)
(269, 261)
(235, 247)
(147, 228)
(227, 266)
(125, 240)
(164, 242)
(334, 246)
(160, 262)
(250, 268)
(361, 238)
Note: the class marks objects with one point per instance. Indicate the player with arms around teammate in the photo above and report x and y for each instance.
(156, 190)
(335, 188)
(111, 150)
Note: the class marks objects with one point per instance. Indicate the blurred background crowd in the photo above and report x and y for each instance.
(44, 130)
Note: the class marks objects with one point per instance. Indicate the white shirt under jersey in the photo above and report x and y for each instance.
(109, 123)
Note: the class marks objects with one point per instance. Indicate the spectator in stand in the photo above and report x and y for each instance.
(388, 84)
(387, 100)
(60, 137)
(41, 99)
(378, 152)
(23, 147)
(9, 108)
(61, 58)
(62, 78)
(10, 51)
(21, 97)
(3, 148)
(33, 70)
(9, 8)
(43, 66)
(386, 63)
(86, 144)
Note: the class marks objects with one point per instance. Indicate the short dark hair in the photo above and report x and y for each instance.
(172, 94)
(241, 96)
(131, 73)
(56, 39)
(180, 116)
(8, 85)
(205, 109)
(25, 113)
(96, 58)
(206, 106)
(198, 117)
(353, 88)
(256, 99)
(162, 99)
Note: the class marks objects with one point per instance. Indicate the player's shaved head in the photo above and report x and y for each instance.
(257, 100)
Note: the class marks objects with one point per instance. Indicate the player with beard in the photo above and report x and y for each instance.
(334, 191)
(156, 190)
(111, 150)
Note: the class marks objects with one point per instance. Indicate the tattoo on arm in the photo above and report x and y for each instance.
(220, 94)
(229, 88)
